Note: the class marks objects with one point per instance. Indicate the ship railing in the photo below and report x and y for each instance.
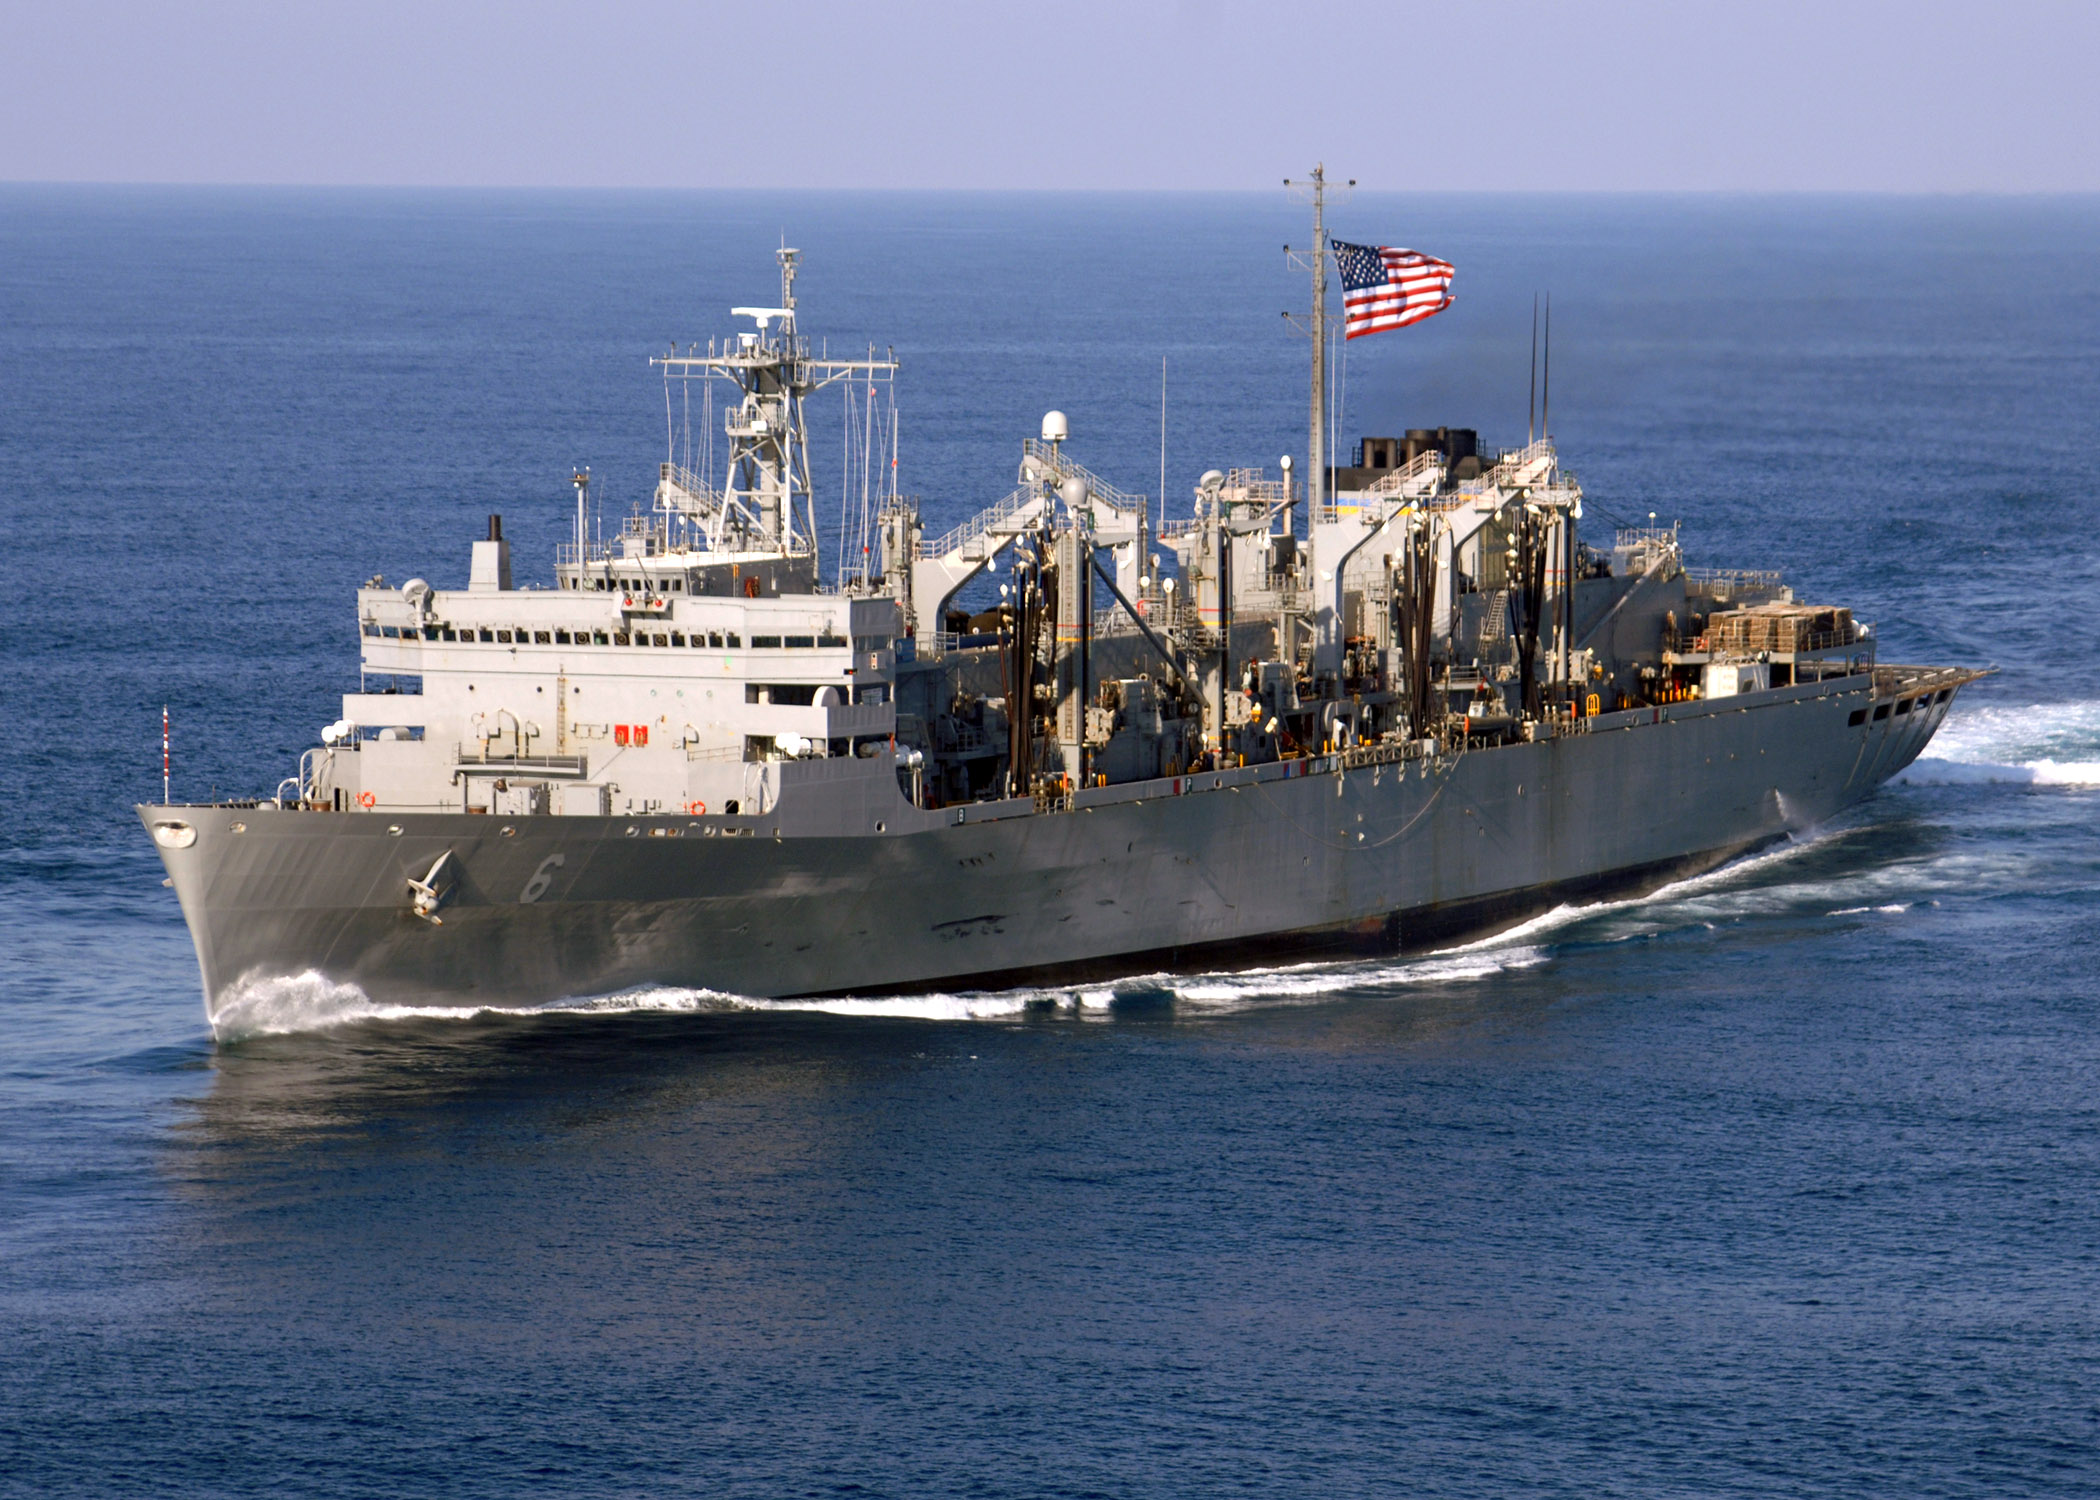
(680, 478)
(565, 765)
(1685, 644)
(956, 539)
(1426, 465)
(1254, 487)
(1334, 511)
(1064, 468)
(1823, 670)
(1115, 624)
(1510, 461)
(1814, 640)
(1724, 581)
(1631, 538)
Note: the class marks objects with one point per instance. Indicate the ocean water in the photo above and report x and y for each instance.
(1780, 1181)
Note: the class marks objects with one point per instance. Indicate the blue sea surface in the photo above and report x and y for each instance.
(1782, 1181)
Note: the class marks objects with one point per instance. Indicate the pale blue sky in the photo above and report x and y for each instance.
(1928, 95)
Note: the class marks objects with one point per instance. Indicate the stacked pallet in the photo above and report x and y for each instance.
(1780, 627)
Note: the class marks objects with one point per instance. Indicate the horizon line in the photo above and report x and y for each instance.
(1042, 192)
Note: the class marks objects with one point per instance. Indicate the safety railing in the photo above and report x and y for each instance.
(983, 524)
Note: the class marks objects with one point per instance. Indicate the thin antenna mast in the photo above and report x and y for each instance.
(1162, 442)
(845, 478)
(1319, 338)
(1531, 412)
(1546, 384)
(164, 755)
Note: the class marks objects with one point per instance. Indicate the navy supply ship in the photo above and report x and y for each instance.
(1367, 710)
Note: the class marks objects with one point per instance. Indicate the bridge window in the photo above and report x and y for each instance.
(449, 633)
(800, 694)
(801, 642)
(765, 643)
(1881, 711)
(1859, 717)
(677, 639)
(598, 638)
(487, 634)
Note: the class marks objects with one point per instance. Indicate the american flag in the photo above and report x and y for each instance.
(1387, 288)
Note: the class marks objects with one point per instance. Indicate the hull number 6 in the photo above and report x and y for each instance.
(541, 879)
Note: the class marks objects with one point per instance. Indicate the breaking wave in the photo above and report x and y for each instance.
(2044, 744)
(275, 1005)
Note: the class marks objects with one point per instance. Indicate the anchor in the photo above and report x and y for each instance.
(430, 892)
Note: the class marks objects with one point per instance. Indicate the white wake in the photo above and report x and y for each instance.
(2044, 744)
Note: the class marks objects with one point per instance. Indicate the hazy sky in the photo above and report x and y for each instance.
(1907, 95)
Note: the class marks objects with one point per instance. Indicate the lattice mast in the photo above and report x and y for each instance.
(766, 502)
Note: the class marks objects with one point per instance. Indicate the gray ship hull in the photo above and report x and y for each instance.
(1376, 850)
